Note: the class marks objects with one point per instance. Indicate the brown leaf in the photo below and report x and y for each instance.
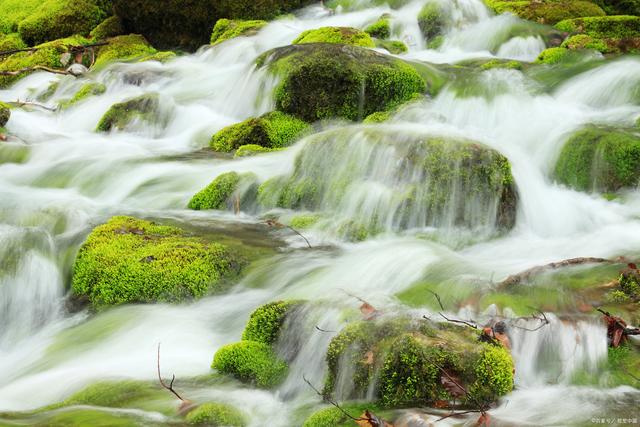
(483, 420)
(368, 311)
(452, 383)
(441, 404)
(369, 358)
(632, 266)
(369, 419)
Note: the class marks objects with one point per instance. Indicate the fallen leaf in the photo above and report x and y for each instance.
(368, 311)
(441, 404)
(483, 420)
(369, 419)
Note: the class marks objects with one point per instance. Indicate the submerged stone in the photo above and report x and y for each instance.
(433, 20)
(86, 91)
(336, 35)
(130, 260)
(324, 81)
(144, 108)
(600, 159)
(381, 29)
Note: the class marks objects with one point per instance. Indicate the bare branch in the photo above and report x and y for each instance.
(326, 399)
(162, 383)
(19, 103)
(324, 330)
(34, 68)
(274, 223)
(464, 322)
(438, 298)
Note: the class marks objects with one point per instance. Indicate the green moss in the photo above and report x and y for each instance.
(216, 414)
(614, 27)
(272, 130)
(217, 194)
(600, 159)
(119, 116)
(118, 394)
(87, 90)
(583, 41)
(226, 29)
(620, 7)
(251, 362)
(304, 221)
(110, 27)
(395, 47)
(5, 114)
(123, 48)
(11, 42)
(547, 11)
(622, 360)
(432, 20)
(552, 55)
(12, 12)
(334, 417)
(89, 417)
(497, 63)
(56, 19)
(248, 150)
(323, 81)
(336, 35)
(129, 260)
(265, 322)
(377, 117)
(494, 374)
(381, 29)
(629, 282)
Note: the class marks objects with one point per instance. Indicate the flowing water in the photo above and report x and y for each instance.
(59, 179)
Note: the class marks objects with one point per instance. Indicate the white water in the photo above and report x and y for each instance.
(75, 179)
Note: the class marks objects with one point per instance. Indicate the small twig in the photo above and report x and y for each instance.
(544, 322)
(162, 383)
(299, 234)
(326, 399)
(274, 223)
(34, 68)
(324, 330)
(71, 48)
(464, 322)
(19, 103)
(453, 414)
(438, 298)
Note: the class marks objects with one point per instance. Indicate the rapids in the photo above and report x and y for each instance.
(69, 179)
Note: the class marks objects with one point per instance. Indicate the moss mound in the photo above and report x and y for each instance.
(620, 7)
(405, 360)
(333, 417)
(381, 29)
(226, 29)
(432, 20)
(124, 48)
(228, 191)
(251, 362)
(5, 114)
(119, 116)
(336, 35)
(323, 81)
(552, 55)
(11, 42)
(187, 25)
(600, 159)
(547, 11)
(265, 322)
(252, 150)
(115, 394)
(86, 91)
(611, 33)
(583, 41)
(271, 130)
(129, 260)
(55, 19)
(216, 415)
(395, 47)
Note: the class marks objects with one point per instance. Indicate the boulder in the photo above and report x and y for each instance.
(336, 35)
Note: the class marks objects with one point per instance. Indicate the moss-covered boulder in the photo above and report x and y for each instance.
(553, 55)
(251, 362)
(215, 414)
(324, 80)
(271, 130)
(265, 322)
(381, 29)
(87, 90)
(226, 29)
(229, 191)
(336, 35)
(110, 27)
(433, 20)
(546, 11)
(187, 25)
(583, 41)
(50, 54)
(437, 182)
(405, 361)
(395, 47)
(5, 114)
(144, 108)
(124, 48)
(55, 19)
(600, 159)
(11, 42)
(620, 7)
(334, 417)
(129, 260)
(612, 33)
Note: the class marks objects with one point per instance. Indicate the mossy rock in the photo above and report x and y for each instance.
(12, 12)
(403, 360)
(11, 42)
(83, 417)
(48, 55)
(600, 159)
(552, 55)
(377, 117)
(124, 48)
(497, 63)
(349, 5)
(5, 114)
(130, 260)
(226, 29)
(381, 29)
(271, 130)
(188, 26)
(225, 192)
(546, 11)
(583, 41)
(431, 167)
(55, 19)
(86, 91)
(336, 35)
(251, 362)
(119, 116)
(324, 81)
(433, 20)
(620, 7)
(216, 415)
(249, 150)
(304, 221)
(110, 27)
(334, 417)
(617, 33)
(395, 47)
(266, 321)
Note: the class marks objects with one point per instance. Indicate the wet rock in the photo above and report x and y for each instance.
(5, 114)
(144, 108)
(336, 35)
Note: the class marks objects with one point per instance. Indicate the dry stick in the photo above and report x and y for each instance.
(326, 399)
(438, 298)
(34, 68)
(33, 49)
(324, 330)
(516, 279)
(162, 383)
(627, 331)
(274, 223)
(460, 321)
(19, 103)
